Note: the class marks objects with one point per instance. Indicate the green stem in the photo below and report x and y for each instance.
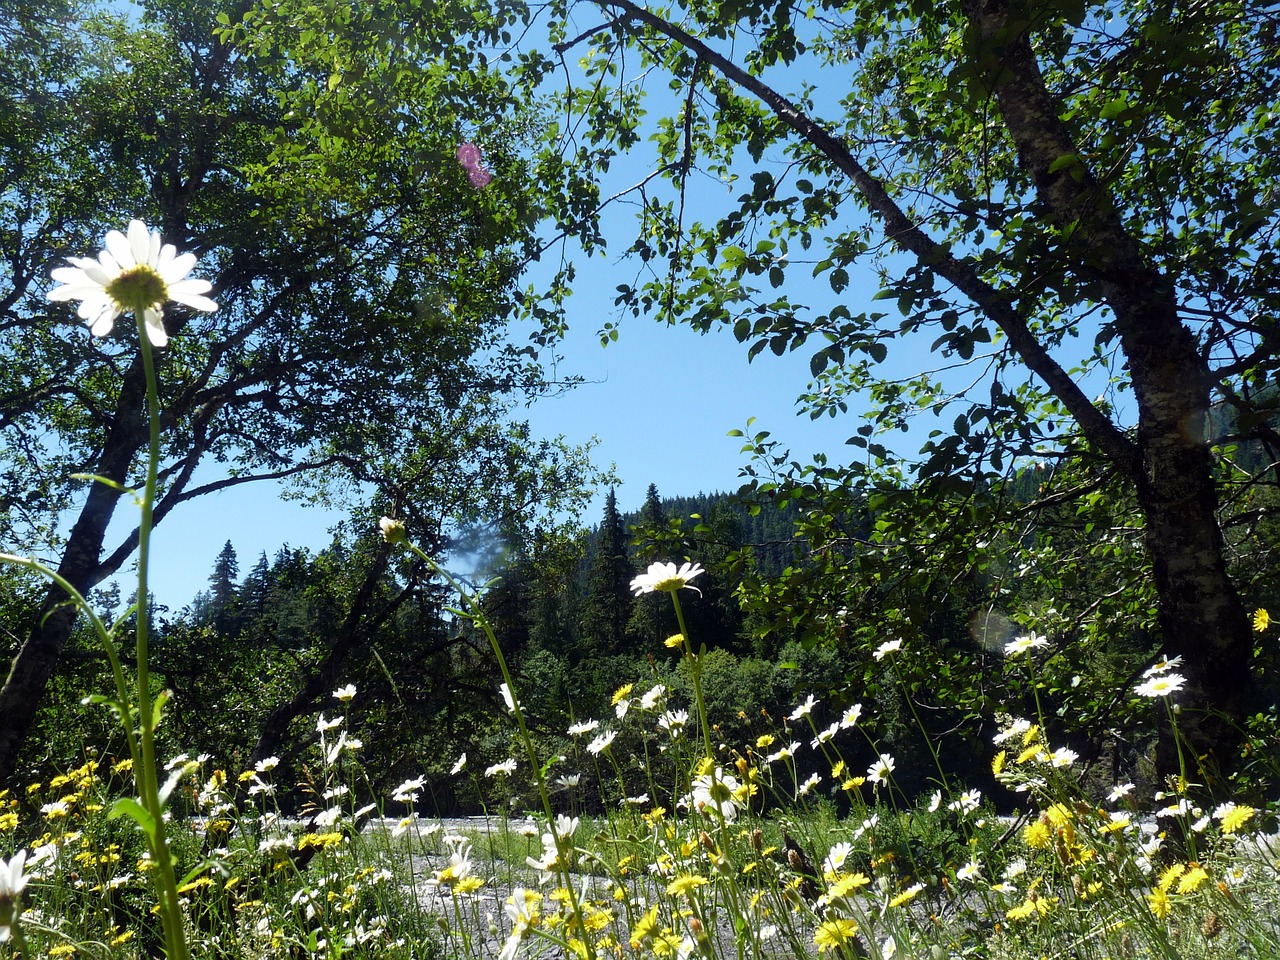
(147, 777)
(696, 665)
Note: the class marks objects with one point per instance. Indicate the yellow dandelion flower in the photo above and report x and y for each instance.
(765, 740)
(847, 884)
(853, 783)
(1170, 876)
(1032, 733)
(838, 770)
(674, 642)
(1158, 902)
(1192, 879)
(907, 895)
(645, 928)
(1037, 835)
(997, 762)
(1261, 620)
(685, 884)
(1030, 753)
(8, 821)
(1236, 817)
(834, 934)
(1059, 815)
(468, 885)
(63, 950)
(621, 693)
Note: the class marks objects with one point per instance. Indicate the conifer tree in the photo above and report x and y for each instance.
(608, 602)
(223, 594)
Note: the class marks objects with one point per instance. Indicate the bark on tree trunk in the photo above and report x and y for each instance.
(37, 658)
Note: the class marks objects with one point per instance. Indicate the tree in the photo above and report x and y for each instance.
(1077, 196)
(223, 598)
(608, 600)
(364, 288)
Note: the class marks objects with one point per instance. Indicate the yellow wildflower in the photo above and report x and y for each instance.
(1158, 901)
(834, 934)
(1170, 876)
(997, 763)
(621, 693)
(674, 641)
(1261, 620)
(1192, 879)
(765, 740)
(685, 884)
(1036, 835)
(1236, 817)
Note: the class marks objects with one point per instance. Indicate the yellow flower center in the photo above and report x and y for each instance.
(138, 288)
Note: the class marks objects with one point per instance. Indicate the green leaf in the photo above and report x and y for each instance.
(131, 808)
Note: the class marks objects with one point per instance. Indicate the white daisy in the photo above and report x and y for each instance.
(136, 273)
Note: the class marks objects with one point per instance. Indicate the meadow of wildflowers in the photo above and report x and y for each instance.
(689, 846)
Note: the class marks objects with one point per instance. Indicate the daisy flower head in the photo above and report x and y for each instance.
(667, 578)
(1261, 620)
(137, 273)
(1159, 685)
(886, 648)
(804, 709)
(879, 771)
(1018, 645)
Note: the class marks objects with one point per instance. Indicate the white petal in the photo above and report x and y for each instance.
(167, 254)
(101, 325)
(179, 268)
(193, 301)
(118, 252)
(139, 242)
(155, 327)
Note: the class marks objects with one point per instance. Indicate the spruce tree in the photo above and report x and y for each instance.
(608, 606)
(223, 593)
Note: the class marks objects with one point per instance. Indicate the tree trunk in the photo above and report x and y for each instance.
(37, 658)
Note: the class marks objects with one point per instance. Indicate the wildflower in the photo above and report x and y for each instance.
(834, 934)
(407, 792)
(673, 721)
(805, 788)
(12, 882)
(1162, 666)
(717, 790)
(970, 871)
(1261, 620)
(393, 531)
(880, 771)
(569, 780)
(685, 884)
(836, 858)
(666, 578)
(785, 751)
(601, 743)
(1191, 880)
(1063, 757)
(935, 801)
(507, 697)
(886, 648)
(654, 698)
(1233, 816)
(907, 895)
(621, 708)
(1015, 729)
(851, 716)
(674, 642)
(584, 726)
(1031, 641)
(506, 767)
(1120, 791)
(459, 764)
(1160, 685)
(1158, 902)
(967, 803)
(345, 694)
(846, 884)
(522, 909)
(323, 725)
(459, 867)
(804, 709)
(825, 735)
(136, 273)
(621, 694)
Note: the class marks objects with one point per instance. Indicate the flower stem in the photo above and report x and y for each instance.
(147, 778)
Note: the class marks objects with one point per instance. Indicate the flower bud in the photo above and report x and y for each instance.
(392, 530)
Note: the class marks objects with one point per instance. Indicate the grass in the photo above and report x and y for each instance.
(735, 862)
